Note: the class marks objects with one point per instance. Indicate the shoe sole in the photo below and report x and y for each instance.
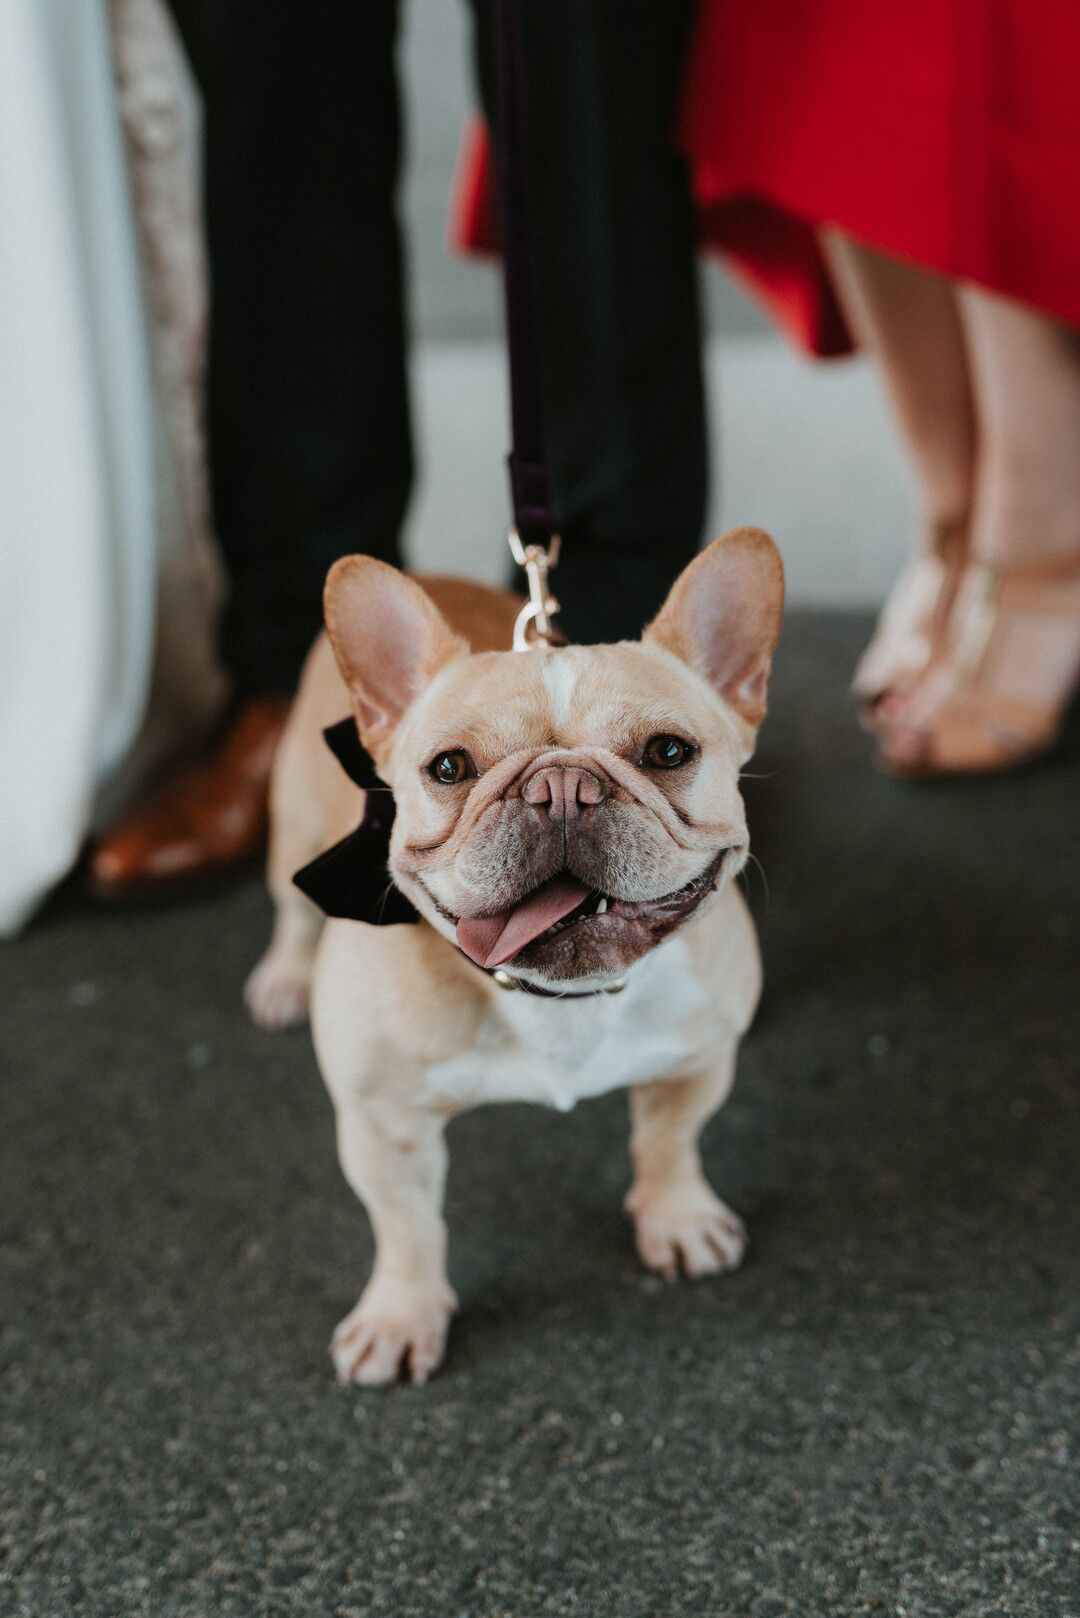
(145, 895)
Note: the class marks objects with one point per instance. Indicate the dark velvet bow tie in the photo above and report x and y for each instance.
(352, 879)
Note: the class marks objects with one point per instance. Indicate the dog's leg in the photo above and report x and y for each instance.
(277, 991)
(394, 1157)
(679, 1220)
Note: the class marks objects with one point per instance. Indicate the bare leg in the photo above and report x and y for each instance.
(909, 320)
(678, 1218)
(1027, 382)
(1011, 661)
(394, 1156)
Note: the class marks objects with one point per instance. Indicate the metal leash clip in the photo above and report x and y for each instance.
(533, 626)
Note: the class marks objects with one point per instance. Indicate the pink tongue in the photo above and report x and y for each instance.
(491, 940)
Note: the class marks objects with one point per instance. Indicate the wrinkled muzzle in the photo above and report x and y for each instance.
(568, 872)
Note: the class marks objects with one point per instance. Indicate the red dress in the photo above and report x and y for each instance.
(943, 132)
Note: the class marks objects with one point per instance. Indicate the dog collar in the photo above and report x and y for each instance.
(351, 881)
(507, 980)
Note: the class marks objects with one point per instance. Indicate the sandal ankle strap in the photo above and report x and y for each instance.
(1057, 567)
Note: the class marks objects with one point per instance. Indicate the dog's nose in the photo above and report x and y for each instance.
(566, 789)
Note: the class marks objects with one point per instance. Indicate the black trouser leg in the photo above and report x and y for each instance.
(307, 413)
(620, 335)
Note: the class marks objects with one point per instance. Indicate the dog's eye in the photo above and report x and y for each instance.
(450, 768)
(667, 753)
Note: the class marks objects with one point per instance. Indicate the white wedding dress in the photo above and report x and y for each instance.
(102, 506)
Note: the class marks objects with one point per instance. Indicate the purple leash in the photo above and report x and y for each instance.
(530, 486)
(534, 539)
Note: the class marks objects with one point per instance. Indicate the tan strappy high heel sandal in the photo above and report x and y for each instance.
(1010, 668)
(911, 625)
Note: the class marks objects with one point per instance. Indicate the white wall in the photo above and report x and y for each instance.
(801, 449)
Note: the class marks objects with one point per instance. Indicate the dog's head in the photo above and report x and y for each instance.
(561, 812)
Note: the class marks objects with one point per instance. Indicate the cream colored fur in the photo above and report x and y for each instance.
(407, 1030)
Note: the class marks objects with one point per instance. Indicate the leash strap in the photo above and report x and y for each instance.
(530, 484)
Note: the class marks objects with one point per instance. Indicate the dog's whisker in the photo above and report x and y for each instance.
(387, 891)
(750, 855)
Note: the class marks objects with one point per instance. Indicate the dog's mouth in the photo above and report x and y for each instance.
(564, 906)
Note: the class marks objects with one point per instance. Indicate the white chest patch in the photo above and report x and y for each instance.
(561, 1052)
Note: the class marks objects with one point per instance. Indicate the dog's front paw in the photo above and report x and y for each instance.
(277, 992)
(686, 1228)
(393, 1329)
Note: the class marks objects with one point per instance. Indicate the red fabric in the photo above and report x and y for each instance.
(474, 218)
(944, 132)
(775, 256)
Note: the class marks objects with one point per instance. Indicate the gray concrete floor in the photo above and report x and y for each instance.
(878, 1414)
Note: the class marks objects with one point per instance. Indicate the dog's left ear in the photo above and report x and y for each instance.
(722, 617)
(389, 638)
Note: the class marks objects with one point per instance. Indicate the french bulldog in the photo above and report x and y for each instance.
(568, 828)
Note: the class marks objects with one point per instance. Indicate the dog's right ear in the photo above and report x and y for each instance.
(389, 639)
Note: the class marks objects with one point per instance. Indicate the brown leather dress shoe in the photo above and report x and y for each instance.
(201, 820)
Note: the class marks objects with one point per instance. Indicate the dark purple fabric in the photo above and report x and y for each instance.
(352, 879)
(530, 485)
